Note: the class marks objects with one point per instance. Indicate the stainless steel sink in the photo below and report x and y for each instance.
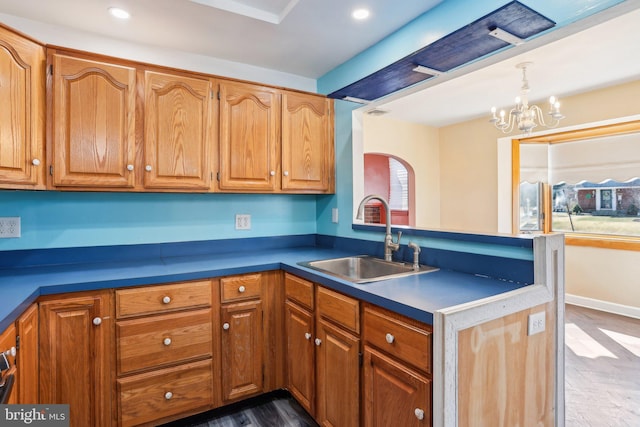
(364, 268)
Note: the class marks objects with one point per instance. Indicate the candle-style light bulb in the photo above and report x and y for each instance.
(552, 100)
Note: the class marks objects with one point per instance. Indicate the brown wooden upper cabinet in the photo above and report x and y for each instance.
(22, 96)
(307, 143)
(273, 140)
(249, 135)
(118, 125)
(178, 131)
(93, 123)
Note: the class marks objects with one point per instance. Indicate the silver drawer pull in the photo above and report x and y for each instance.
(97, 321)
(318, 341)
(168, 395)
(390, 338)
(166, 300)
(241, 289)
(307, 336)
(225, 326)
(419, 413)
(167, 341)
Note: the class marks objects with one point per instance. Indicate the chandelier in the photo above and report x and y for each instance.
(523, 116)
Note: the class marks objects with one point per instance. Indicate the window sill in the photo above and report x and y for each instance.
(603, 241)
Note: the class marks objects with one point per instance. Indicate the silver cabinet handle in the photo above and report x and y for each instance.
(35, 162)
(419, 413)
(272, 173)
(318, 341)
(390, 338)
(166, 300)
(225, 326)
(241, 289)
(168, 395)
(97, 321)
(129, 168)
(307, 336)
(148, 168)
(286, 173)
(166, 341)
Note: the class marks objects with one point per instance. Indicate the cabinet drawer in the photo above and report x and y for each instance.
(399, 337)
(236, 288)
(299, 290)
(161, 340)
(162, 298)
(158, 394)
(339, 308)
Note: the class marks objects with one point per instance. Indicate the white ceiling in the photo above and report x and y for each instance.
(312, 38)
(603, 55)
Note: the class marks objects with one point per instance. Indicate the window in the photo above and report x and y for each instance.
(583, 183)
(398, 185)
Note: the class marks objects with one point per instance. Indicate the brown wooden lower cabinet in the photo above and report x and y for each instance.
(242, 350)
(27, 359)
(76, 355)
(166, 392)
(394, 394)
(337, 376)
(189, 347)
(323, 349)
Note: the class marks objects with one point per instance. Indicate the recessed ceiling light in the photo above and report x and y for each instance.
(119, 13)
(360, 14)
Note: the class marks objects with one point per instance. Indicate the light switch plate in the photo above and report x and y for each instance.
(334, 215)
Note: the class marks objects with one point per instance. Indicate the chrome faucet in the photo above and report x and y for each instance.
(389, 245)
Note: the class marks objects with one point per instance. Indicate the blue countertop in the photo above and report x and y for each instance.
(417, 296)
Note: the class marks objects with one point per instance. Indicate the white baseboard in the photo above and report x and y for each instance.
(609, 307)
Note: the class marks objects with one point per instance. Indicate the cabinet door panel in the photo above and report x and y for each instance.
(242, 349)
(28, 356)
(22, 113)
(93, 123)
(75, 357)
(393, 393)
(178, 131)
(307, 144)
(249, 133)
(300, 355)
(338, 374)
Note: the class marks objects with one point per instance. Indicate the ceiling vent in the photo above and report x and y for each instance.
(377, 112)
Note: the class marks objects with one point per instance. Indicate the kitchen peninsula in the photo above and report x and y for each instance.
(487, 364)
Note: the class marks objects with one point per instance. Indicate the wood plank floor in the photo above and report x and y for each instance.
(277, 409)
(602, 380)
(602, 369)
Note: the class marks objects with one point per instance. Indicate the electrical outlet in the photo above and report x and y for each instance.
(9, 227)
(536, 323)
(243, 222)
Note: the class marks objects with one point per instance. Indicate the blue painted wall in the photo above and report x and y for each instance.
(52, 219)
